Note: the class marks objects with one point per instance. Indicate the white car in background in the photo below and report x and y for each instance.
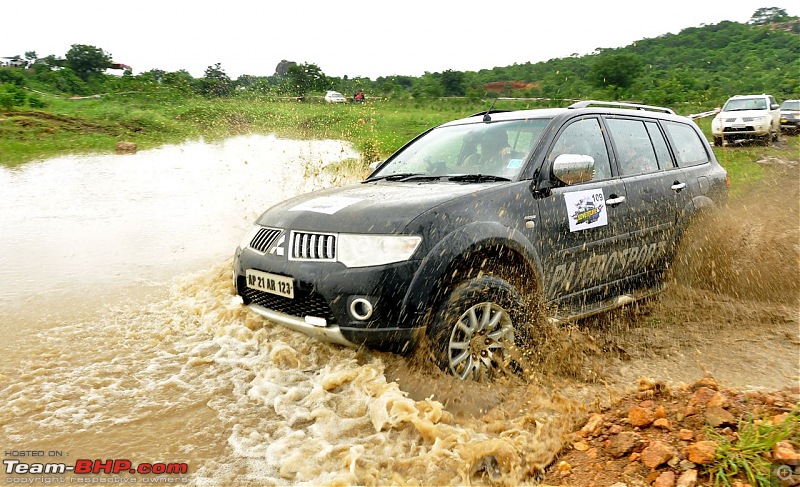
(335, 97)
(747, 117)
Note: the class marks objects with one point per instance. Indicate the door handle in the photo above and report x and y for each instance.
(615, 200)
(676, 186)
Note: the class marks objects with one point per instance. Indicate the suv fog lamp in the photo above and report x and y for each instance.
(361, 309)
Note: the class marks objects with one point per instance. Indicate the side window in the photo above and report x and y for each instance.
(660, 144)
(584, 137)
(688, 147)
(634, 150)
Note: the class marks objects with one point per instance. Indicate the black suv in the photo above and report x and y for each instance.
(580, 207)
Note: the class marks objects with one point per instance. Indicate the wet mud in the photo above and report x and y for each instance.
(190, 375)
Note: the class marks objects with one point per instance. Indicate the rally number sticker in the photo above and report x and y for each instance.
(586, 209)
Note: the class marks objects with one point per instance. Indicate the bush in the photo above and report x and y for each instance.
(12, 96)
(35, 101)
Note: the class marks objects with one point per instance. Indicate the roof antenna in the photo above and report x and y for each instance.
(486, 116)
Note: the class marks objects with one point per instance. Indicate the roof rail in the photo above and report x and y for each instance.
(619, 104)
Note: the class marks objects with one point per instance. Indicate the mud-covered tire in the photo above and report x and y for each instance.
(475, 328)
(717, 141)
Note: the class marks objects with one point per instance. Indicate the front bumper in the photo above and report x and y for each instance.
(325, 292)
(790, 123)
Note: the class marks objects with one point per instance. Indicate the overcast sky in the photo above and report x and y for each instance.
(350, 37)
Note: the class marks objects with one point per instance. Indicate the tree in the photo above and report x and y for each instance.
(215, 82)
(86, 61)
(618, 70)
(768, 15)
(282, 69)
(453, 83)
(304, 78)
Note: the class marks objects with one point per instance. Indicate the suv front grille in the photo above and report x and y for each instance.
(312, 246)
(305, 304)
(264, 239)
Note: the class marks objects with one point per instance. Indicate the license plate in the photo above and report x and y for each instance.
(270, 283)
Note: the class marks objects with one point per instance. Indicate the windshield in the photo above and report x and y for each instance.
(790, 105)
(745, 104)
(498, 149)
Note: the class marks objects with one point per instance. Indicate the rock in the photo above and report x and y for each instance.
(686, 465)
(718, 399)
(708, 382)
(716, 416)
(126, 147)
(580, 445)
(660, 412)
(685, 435)
(702, 452)
(640, 417)
(687, 479)
(783, 453)
(592, 426)
(779, 418)
(662, 423)
(615, 429)
(622, 444)
(665, 479)
(701, 397)
(656, 454)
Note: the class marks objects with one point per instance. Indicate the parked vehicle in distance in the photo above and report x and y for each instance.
(747, 117)
(790, 116)
(579, 208)
(335, 97)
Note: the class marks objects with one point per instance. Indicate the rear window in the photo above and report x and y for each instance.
(634, 149)
(688, 146)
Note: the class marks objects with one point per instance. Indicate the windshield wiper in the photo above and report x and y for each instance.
(400, 176)
(477, 178)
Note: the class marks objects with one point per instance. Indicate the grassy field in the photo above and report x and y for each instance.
(376, 128)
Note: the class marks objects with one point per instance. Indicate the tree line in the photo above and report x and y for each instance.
(700, 65)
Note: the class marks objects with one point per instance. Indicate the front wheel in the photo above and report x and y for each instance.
(717, 141)
(475, 329)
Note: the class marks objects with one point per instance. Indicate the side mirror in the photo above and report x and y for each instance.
(774, 106)
(573, 168)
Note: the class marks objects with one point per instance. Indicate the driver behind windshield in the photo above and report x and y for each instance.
(491, 155)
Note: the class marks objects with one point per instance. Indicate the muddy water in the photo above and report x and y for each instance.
(123, 339)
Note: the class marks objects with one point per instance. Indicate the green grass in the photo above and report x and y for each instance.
(747, 455)
(376, 128)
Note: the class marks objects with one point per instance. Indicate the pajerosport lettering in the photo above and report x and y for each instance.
(580, 208)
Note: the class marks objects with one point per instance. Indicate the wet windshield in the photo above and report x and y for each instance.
(497, 150)
(745, 104)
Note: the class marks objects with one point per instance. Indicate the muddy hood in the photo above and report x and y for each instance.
(378, 208)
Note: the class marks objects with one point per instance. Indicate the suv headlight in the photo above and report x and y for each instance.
(369, 250)
(759, 119)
